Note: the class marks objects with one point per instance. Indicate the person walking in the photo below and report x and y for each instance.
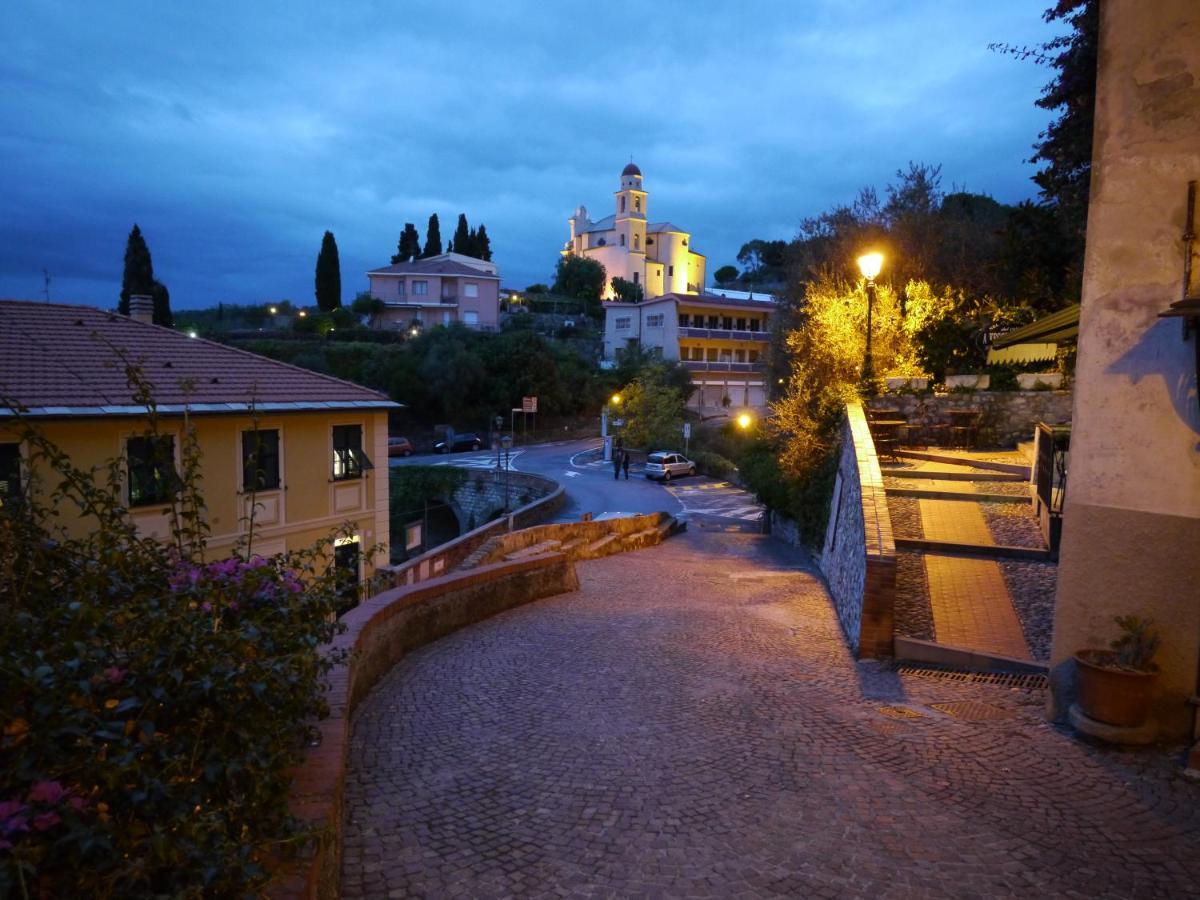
(618, 455)
(625, 463)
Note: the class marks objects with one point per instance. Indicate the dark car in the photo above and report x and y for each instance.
(458, 442)
(400, 446)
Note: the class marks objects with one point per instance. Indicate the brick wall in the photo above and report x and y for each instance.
(859, 555)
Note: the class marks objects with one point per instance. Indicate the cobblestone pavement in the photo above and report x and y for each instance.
(691, 724)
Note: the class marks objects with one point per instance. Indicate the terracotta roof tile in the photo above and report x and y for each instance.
(54, 355)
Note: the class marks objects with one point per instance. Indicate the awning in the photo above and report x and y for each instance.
(1054, 328)
(1022, 353)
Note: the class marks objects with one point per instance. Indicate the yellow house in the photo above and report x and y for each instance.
(302, 444)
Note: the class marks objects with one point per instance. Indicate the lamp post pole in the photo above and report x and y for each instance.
(869, 264)
(868, 361)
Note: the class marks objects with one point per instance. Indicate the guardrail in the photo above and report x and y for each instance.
(724, 334)
(702, 366)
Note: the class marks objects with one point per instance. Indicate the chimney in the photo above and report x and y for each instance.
(141, 308)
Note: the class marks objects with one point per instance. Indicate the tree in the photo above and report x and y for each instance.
(162, 305)
(368, 307)
(725, 275)
(627, 291)
(653, 410)
(582, 278)
(483, 245)
(329, 275)
(464, 238)
(433, 238)
(409, 246)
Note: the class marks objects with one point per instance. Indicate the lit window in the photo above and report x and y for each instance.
(349, 461)
(260, 460)
(470, 289)
(151, 462)
(623, 323)
(420, 288)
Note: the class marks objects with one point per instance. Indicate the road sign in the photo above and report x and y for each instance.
(529, 404)
(620, 423)
(687, 430)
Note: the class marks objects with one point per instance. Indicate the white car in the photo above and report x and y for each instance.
(666, 464)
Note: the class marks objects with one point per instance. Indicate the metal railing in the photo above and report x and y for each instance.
(690, 331)
(1054, 446)
(696, 365)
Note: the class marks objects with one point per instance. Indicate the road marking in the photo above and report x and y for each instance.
(571, 474)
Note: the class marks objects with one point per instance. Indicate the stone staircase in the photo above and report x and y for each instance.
(961, 520)
(577, 540)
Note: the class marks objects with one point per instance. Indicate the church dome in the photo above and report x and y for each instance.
(631, 169)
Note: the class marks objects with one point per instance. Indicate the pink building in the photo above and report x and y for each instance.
(438, 290)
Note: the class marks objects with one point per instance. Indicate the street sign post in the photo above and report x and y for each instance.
(687, 436)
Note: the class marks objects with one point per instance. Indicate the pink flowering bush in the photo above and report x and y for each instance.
(151, 702)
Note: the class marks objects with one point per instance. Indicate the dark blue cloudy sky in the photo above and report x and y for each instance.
(236, 133)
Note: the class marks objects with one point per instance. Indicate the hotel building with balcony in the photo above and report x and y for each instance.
(722, 341)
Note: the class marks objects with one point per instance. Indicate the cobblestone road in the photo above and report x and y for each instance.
(690, 724)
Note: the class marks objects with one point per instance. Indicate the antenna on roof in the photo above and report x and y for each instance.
(46, 283)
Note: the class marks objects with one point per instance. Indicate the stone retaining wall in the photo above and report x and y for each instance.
(484, 494)
(1008, 416)
(859, 556)
(445, 557)
(380, 631)
(634, 533)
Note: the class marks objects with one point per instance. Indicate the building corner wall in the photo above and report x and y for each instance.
(1131, 526)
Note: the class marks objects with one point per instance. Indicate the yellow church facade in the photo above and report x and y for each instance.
(657, 256)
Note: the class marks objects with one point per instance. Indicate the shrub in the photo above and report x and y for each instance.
(713, 464)
(152, 702)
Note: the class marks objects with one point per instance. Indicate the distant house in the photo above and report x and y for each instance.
(722, 341)
(654, 255)
(306, 452)
(438, 290)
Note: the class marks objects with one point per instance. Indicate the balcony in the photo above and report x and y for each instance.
(697, 365)
(450, 298)
(724, 334)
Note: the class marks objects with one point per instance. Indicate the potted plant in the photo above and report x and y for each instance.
(1116, 685)
(1029, 381)
(899, 383)
(972, 380)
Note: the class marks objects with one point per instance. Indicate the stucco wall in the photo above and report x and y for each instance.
(1131, 527)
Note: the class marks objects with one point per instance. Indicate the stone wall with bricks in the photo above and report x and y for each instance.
(859, 555)
(1008, 416)
(486, 493)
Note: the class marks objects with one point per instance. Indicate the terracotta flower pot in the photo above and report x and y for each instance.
(1110, 694)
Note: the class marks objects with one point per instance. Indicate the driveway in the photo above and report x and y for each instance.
(690, 724)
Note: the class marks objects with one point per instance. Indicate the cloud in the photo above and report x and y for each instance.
(235, 134)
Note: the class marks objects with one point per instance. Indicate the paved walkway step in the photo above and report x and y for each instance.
(975, 496)
(993, 551)
(958, 473)
(971, 606)
(991, 465)
(913, 650)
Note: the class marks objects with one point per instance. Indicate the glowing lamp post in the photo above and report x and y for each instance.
(869, 264)
(611, 407)
(745, 420)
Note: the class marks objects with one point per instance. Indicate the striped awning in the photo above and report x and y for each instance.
(1022, 353)
(1054, 328)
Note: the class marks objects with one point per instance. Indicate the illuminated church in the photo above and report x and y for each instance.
(655, 255)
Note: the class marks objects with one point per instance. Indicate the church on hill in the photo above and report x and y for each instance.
(655, 255)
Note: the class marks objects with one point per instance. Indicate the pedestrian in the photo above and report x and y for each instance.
(617, 454)
(625, 463)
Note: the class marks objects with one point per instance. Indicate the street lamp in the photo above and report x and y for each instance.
(613, 402)
(745, 420)
(869, 264)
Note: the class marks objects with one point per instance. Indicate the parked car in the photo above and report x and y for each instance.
(666, 464)
(457, 442)
(399, 446)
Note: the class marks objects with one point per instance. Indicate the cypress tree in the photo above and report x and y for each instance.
(162, 305)
(483, 245)
(410, 244)
(433, 238)
(139, 270)
(329, 275)
(463, 239)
